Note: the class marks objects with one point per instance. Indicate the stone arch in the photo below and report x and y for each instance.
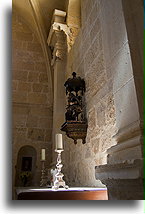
(26, 161)
(21, 17)
(36, 28)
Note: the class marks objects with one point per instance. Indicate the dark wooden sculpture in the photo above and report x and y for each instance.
(75, 125)
(75, 84)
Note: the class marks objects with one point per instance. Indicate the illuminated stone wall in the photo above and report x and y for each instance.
(32, 107)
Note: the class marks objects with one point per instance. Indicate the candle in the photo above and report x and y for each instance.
(58, 139)
(43, 154)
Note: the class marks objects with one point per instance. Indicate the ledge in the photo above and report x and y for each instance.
(131, 169)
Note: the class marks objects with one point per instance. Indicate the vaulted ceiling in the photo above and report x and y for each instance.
(45, 8)
(38, 14)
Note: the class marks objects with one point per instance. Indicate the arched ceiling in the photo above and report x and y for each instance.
(38, 14)
(46, 7)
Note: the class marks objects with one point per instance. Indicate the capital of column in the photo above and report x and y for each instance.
(57, 36)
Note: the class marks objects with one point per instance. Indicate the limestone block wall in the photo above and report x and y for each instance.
(87, 59)
(120, 65)
(100, 55)
(122, 24)
(32, 107)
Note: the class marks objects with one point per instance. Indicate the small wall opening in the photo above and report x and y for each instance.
(26, 166)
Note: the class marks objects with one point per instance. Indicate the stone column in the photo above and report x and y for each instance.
(57, 43)
(123, 173)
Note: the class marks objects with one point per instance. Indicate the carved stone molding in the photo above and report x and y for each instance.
(132, 130)
(127, 170)
(59, 36)
(124, 164)
(124, 181)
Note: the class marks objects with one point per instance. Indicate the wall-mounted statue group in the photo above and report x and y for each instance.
(75, 124)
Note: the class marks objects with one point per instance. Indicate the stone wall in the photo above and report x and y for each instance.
(87, 59)
(123, 45)
(108, 54)
(32, 107)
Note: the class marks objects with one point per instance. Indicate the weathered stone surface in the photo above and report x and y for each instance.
(95, 145)
(24, 86)
(112, 16)
(19, 97)
(45, 123)
(24, 36)
(126, 111)
(100, 117)
(40, 66)
(32, 121)
(95, 87)
(88, 152)
(29, 105)
(33, 76)
(23, 110)
(38, 56)
(37, 87)
(92, 119)
(43, 78)
(20, 65)
(37, 98)
(14, 85)
(85, 44)
(36, 47)
(20, 121)
(94, 13)
(41, 111)
(17, 45)
(36, 134)
(45, 88)
(48, 135)
(87, 58)
(95, 29)
(20, 75)
(97, 45)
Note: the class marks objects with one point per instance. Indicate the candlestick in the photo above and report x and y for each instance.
(43, 154)
(59, 144)
(59, 175)
(43, 177)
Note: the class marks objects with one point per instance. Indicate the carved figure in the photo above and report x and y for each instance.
(72, 99)
(74, 107)
(72, 113)
(75, 84)
(75, 125)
